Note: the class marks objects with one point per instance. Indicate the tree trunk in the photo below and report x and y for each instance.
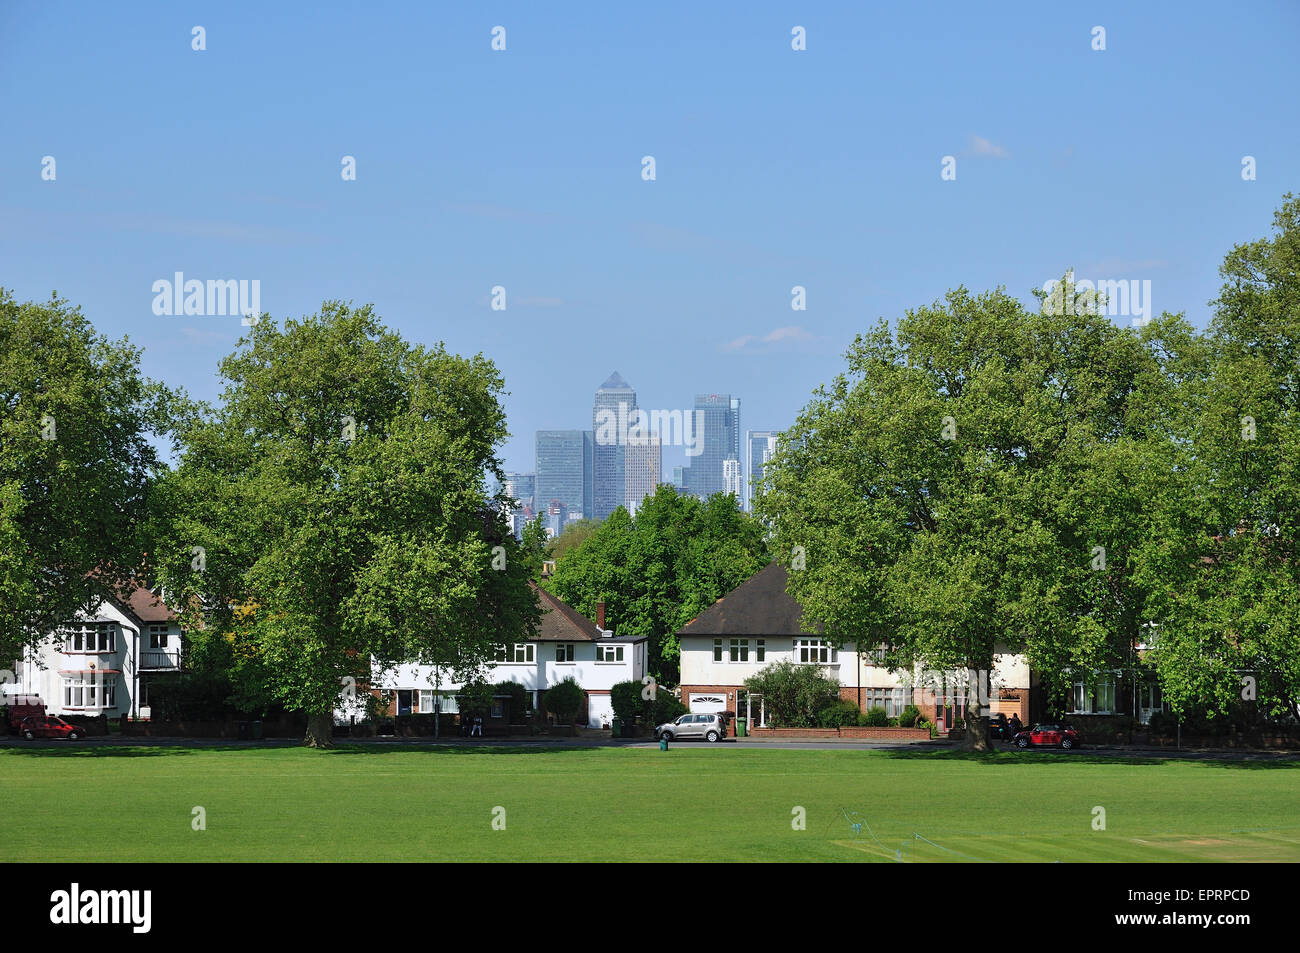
(977, 730)
(320, 730)
(976, 714)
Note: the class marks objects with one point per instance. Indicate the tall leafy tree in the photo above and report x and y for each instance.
(1225, 570)
(965, 488)
(334, 509)
(658, 571)
(78, 423)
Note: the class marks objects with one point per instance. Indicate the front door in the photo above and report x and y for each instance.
(403, 702)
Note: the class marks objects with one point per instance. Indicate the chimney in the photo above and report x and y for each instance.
(600, 615)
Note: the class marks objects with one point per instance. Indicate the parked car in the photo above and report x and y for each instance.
(1047, 736)
(48, 726)
(711, 726)
(998, 727)
(22, 706)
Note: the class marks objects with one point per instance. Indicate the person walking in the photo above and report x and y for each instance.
(478, 726)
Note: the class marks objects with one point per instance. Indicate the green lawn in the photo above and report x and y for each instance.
(689, 804)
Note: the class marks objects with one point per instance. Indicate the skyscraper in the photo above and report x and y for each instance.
(719, 441)
(564, 471)
(521, 486)
(614, 407)
(643, 465)
(761, 446)
(732, 481)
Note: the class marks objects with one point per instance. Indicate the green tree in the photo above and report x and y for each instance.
(334, 510)
(76, 464)
(1224, 566)
(658, 571)
(572, 536)
(950, 495)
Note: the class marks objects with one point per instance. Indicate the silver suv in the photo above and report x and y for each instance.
(710, 727)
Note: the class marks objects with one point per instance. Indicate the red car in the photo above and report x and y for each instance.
(1047, 735)
(48, 726)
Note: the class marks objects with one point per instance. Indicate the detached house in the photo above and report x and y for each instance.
(567, 644)
(759, 623)
(103, 661)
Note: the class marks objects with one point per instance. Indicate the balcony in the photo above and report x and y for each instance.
(160, 660)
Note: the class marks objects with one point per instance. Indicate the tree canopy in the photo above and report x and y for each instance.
(78, 423)
(334, 509)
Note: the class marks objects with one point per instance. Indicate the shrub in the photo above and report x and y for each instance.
(564, 700)
(874, 718)
(838, 715)
(795, 695)
(663, 708)
(626, 700)
(909, 717)
(520, 701)
(475, 698)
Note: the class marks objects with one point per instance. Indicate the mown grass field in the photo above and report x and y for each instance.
(689, 804)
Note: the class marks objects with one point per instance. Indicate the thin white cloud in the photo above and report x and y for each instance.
(987, 149)
(776, 336)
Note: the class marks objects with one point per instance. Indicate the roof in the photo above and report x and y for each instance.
(561, 622)
(148, 607)
(615, 382)
(760, 606)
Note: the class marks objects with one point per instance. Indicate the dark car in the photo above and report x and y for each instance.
(998, 726)
(1050, 736)
(48, 726)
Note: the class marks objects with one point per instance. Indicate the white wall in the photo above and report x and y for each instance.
(40, 672)
(542, 673)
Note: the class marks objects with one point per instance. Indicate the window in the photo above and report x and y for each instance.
(893, 700)
(815, 651)
(760, 650)
(446, 702)
(740, 650)
(563, 652)
(93, 690)
(874, 656)
(518, 654)
(498, 708)
(157, 636)
(1094, 699)
(717, 650)
(91, 637)
(609, 653)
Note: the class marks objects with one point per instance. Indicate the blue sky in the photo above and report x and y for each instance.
(522, 168)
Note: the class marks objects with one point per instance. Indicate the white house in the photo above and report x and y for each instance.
(567, 644)
(102, 662)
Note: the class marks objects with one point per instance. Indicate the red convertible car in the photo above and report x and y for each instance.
(1062, 736)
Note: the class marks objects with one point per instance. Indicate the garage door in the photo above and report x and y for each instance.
(704, 702)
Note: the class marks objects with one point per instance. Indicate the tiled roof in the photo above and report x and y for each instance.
(561, 622)
(759, 606)
(146, 606)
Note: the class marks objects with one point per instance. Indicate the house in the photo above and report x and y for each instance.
(567, 644)
(760, 623)
(103, 661)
